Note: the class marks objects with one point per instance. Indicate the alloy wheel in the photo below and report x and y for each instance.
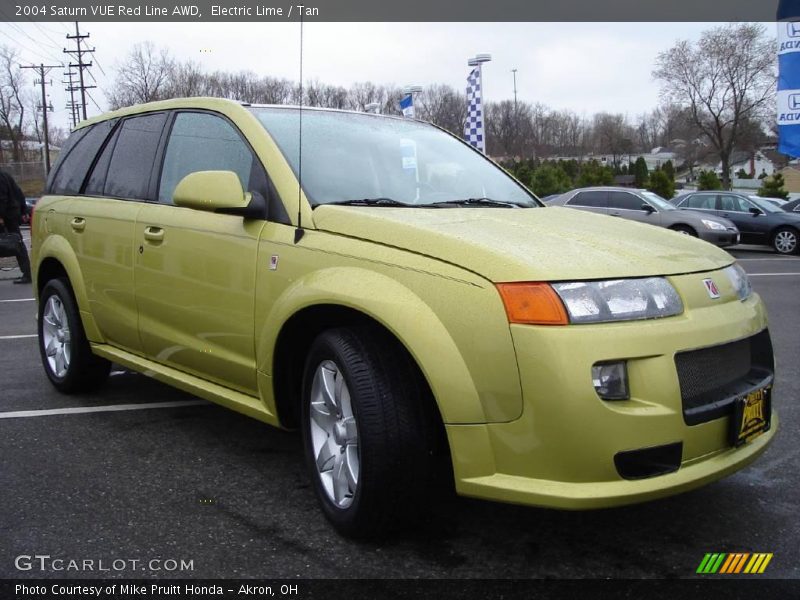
(56, 336)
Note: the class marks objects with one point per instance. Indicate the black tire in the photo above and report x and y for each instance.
(684, 229)
(83, 370)
(785, 240)
(397, 442)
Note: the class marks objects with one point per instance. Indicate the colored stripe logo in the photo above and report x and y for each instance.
(734, 563)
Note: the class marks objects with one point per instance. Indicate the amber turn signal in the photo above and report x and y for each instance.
(532, 304)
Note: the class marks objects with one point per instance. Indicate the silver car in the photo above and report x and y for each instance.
(647, 207)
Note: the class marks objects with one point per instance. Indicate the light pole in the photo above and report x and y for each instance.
(477, 61)
(514, 71)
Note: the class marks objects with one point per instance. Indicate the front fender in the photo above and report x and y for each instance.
(398, 309)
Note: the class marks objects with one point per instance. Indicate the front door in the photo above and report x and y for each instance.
(195, 270)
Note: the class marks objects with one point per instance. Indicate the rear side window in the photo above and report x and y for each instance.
(706, 201)
(593, 199)
(133, 157)
(625, 201)
(78, 156)
(203, 142)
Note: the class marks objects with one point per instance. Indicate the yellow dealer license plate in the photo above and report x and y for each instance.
(751, 416)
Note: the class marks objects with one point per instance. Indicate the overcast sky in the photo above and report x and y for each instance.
(585, 67)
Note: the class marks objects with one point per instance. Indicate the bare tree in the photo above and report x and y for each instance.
(443, 106)
(728, 76)
(143, 76)
(12, 100)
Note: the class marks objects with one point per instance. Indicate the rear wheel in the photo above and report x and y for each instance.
(66, 355)
(785, 241)
(684, 229)
(366, 434)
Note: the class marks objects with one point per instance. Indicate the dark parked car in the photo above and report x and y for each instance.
(759, 221)
(30, 203)
(792, 206)
(647, 207)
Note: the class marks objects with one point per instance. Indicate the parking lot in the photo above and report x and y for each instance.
(176, 479)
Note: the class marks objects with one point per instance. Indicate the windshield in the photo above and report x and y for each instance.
(362, 159)
(765, 205)
(658, 201)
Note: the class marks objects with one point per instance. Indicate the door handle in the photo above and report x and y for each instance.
(154, 234)
(615, 214)
(78, 223)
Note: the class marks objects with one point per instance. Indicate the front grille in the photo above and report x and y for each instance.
(712, 378)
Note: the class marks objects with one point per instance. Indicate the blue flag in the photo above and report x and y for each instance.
(407, 106)
(789, 77)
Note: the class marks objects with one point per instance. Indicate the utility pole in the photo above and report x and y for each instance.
(42, 70)
(72, 105)
(80, 65)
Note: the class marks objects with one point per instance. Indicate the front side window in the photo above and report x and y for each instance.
(625, 201)
(730, 203)
(134, 156)
(203, 142)
(351, 156)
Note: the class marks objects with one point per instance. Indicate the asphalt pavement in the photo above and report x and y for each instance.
(227, 496)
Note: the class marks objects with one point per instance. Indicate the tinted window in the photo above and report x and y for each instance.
(203, 142)
(78, 156)
(133, 157)
(705, 201)
(593, 199)
(625, 201)
(97, 179)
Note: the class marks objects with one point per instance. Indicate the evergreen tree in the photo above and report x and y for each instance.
(640, 172)
(669, 169)
(708, 180)
(661, 184)
(772, 187)
(549, 179)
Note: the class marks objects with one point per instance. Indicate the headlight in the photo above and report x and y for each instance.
(619, 300)
(713, 225)
(740, 281)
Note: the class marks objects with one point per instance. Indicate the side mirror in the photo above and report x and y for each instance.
(210, 190)
(647, 208)
(756, 211)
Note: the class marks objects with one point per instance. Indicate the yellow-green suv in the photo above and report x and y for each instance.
(411, 308)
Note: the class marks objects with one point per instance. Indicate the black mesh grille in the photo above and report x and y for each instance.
(711, 378)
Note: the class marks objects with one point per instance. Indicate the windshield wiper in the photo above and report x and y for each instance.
(477, 202)
(366, 202)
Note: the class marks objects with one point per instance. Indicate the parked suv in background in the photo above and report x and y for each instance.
(646, 207)
(759, 221)
(411, 308)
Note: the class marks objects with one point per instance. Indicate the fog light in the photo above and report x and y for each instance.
(610, 380)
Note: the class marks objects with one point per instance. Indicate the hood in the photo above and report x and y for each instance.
(539, 244)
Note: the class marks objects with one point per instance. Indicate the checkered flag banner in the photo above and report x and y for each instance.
(473, 128)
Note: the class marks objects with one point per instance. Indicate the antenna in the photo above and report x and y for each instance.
(298, 233)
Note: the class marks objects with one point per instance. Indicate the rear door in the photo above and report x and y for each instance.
(195, 270)
(102, 217)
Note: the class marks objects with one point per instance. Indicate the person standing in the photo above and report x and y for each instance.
(11, 202)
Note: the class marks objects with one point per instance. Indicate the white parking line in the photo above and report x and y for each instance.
(771, 274)
(22, 414)
(773, 258)
(17, 337)
(19, 300)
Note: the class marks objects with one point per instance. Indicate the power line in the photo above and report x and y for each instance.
(73, 106)
(80, 65)
(42, 71)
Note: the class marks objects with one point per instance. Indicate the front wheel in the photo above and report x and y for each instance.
(785, 241)
(365, 431)
(66, 355)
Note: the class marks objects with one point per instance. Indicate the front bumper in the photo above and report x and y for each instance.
(729, 237)
(560, 452)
